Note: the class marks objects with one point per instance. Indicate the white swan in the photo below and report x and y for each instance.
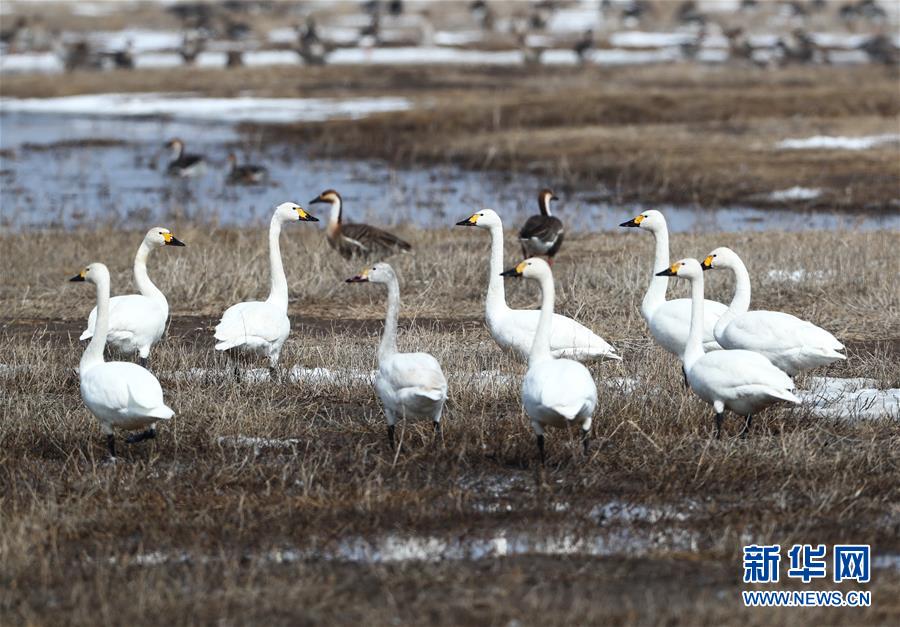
(262, 326)
(514, 329)
(742, 381)
(410, 385)
(138, 321)
(669, 320)
(792, 344)
(120, 394)
(555, 392)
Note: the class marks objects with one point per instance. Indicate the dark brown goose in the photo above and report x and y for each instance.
(542, 235)
(245, 174)
(356, 240)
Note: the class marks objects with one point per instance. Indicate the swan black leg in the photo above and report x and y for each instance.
(746, 430)
(438, 433)
(718, 426)
(585, 441)
(273, 374)
(540, 443)
(684, 376)
(143, 361)
(111, 445)
(134, 438)
(391, 437)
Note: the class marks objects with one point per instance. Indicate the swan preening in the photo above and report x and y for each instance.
(740, 380)
(542, 235)
(555, 392)
(791, 344)
(514, 329)
(120, 394)
(262, 326)
(356, 240)
(669, 320)
(138, 321)
(410, 385)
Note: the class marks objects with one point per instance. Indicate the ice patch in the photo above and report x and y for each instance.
(41, 62)
(458, 38)
(795, 193)
(852, 399)
(826, 142)
(258, 444)
(241, 109)
(795, 276)
(640, 39)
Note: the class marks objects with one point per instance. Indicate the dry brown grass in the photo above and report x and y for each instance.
(74, 532)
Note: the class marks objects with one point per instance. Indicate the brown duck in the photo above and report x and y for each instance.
(356, 240)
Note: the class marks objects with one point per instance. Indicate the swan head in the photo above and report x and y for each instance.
(686, 269)
(94, 273)
(160, 236)
(650, 219)
(485, 219)
(531, 268)
(722, 257)
(378, 273)
(290, 211)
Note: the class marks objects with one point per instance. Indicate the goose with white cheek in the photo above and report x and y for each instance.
(356, 240)
(542, 235)
(669, 320)
(183, 164)
(791, 344)
(122, 395)
(740, 380)
(138, 321)
(262, 327)
(410, 385)
(555, 392)
(514, 329)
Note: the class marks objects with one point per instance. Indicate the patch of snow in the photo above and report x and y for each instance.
(258, 444)
(40, 62)
(620, 512)
(621, 56)
(576, 19)
(423, 55)
(641, 39)
(141, 40)
(852, 399)
(826, 142)
(241, 109)
(795, 276)
(795, 193)
(457, 38)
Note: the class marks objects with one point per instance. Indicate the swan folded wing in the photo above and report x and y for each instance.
(568, 338)
(415, 372)
(568, 389)
(125, 389)
(673, 318)
(130, 315)
(775, 330)
(251, 322)
(743, 373)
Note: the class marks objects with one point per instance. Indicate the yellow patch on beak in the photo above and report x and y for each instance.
(638, 219)
(83, 273)
(521, 267)
(708, 261)
(167, 237)
(674, 268)
(473, 219)
(364, 274)
(301, 213)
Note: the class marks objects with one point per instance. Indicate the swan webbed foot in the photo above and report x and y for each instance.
(719, 426)
(111, 445)
(746, 430)
(540, 444)
(134, 438)
(390, 435)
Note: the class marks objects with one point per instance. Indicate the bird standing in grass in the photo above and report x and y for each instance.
(356, 240)
(542, 234)
(138, 321)
(120, 394)
(740, 380)
(410, 385)
(555, 392)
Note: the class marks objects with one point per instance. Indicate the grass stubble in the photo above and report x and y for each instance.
(189, 528)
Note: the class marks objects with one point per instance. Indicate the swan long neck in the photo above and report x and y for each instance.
(540, 348)
(496, 292)
(740, 302)
(278, 292)
(142, 279)
(93, 354)
(693, 349)
(388, 344)
(656, 292)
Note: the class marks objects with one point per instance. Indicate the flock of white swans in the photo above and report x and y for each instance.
(732, 358)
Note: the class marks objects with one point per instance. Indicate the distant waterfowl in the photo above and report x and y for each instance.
(121, 395)
(261, 327)
(555, 392)
(138, 321)
(410, 385)
(246, 173)
(356, 240)
(791, 344)
(740, 380)
(514, 329)
(670, 320)
(583, 46)
(182, 164)
(542, 235)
